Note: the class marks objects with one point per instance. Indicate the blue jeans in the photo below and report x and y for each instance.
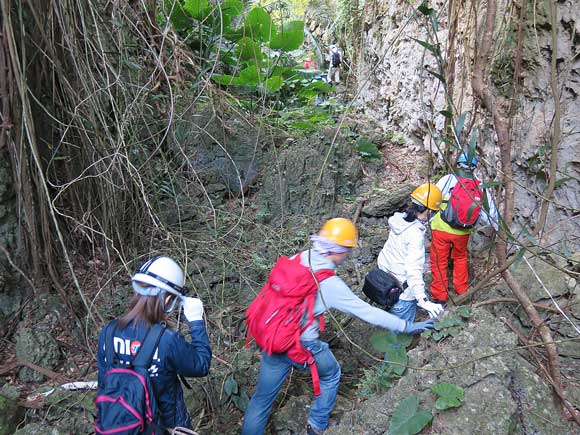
(405, 310)
(273, 372)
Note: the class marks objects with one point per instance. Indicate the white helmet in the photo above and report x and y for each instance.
(163, 273)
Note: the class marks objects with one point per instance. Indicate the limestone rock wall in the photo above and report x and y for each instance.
(395, 89)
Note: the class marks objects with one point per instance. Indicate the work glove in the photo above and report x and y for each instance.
(434, 310)
(418, 327)
(192, 309)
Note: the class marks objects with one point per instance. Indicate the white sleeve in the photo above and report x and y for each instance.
(415, 261)
(445, 184)
(490, 216)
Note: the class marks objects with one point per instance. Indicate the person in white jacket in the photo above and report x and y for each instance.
(404, 252)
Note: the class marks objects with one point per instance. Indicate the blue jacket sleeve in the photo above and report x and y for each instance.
(191, 359)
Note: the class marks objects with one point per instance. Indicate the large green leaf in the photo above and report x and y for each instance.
(288, 37)
(223, 14)
(177, 15)
(224, 79)
(198, 9)
(249, 51)
(273, 84)
(259, 25)
(383, 340)
(407, 420)
(397, 354)
(231, 386)
(250, 76)
(450, 395)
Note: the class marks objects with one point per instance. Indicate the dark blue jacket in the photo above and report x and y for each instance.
(174, 356)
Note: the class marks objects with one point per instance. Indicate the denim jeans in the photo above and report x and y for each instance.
(405, 310)
(273, 372)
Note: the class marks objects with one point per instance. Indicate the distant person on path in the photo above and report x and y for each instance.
(159, 288)
(287, 315)
(335, 64)
(464, 204)
(403, 255)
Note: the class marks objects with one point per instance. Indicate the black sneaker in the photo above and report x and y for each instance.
(311, 431)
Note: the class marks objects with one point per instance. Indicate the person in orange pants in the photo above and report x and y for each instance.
(448, 241)
(443, 244)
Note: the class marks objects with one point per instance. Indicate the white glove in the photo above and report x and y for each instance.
(434, 310)
(193, 309)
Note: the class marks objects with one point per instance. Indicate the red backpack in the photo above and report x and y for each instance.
(464, 204)
(276, 317)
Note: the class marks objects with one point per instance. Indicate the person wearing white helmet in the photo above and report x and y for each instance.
(159, 287)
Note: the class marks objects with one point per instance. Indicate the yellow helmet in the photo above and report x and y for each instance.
(428, 195)
(340, 231)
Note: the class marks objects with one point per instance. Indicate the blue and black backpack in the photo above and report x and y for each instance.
(126, 403)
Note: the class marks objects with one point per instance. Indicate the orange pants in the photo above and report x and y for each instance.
(441, 246)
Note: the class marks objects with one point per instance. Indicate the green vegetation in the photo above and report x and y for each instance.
(449, 325)
(407, 419)
(450, 396)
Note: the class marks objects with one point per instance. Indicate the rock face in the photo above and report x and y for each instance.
(398, 92)
(503, 395)
(39, 348)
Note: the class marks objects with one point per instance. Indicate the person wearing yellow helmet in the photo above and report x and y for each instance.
(403, 255)
(330, 247)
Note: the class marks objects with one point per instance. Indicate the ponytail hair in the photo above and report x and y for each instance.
(413, 211)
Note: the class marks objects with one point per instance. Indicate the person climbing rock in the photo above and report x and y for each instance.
(286, 318)
(464, 204)
(159, 288)
(403, 255)
(335, 64)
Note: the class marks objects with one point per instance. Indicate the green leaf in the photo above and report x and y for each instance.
(432, 48)
(436, 75)
(562, 181)
(198, 9)
(460, 124)
(224, 79)
(250, 76)
(249, 51)
(473, 139)
(223, 14)
(259, 25)
(382, 340)
(450, 396)
(273, 84)
(397, 354)
(464, 312)
(368, 150)
(491, 184)
(407, 420)
(241, 401)
(231, 386)
(288, 37)
(446, 114)
(425, 9)
(177, 15)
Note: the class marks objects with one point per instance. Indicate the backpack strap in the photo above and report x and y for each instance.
(110, 354)
(147, 349)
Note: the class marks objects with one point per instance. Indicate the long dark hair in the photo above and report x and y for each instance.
(413, 211)
(143, 309)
